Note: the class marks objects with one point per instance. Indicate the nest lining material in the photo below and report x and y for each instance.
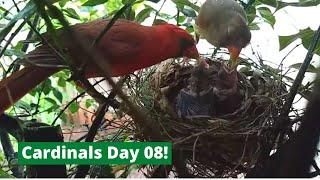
(229, 140)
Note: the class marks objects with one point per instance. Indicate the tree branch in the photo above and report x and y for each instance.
(297, 82)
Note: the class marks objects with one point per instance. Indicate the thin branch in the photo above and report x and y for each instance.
(29, 35)
(297, 82)
(11, 38)
(112, 21)
(157, 13)
(96, 122)
(246, 6)
(281, 62)
(83, 169)
(69, 103)
(314, 174)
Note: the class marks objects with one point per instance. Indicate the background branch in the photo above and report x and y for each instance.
(298, 80)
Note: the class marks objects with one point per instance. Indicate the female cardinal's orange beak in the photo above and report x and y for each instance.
(234, 55)
(234, 52)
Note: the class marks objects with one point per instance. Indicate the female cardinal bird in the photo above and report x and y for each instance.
(223, 23)
(127, 47)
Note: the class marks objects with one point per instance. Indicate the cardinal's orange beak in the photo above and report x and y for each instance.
(234, 55)
(234, 52)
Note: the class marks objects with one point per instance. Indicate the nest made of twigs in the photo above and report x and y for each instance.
(224, 144)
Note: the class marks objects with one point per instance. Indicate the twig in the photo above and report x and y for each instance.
(10, 154)
(112, 21)
(29, 35)
(248, 4)
(315, 165)
(243, 153)
(157, 13)
(297, 82)
(314, 174)
(194, 135)
(82, 170)
(281, 62)
(11, 38)
(178, 14)
(69, 103)
(92, 91)
(97, 122)
(194, 149)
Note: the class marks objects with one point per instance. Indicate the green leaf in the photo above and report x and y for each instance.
(74, 107)
(181, 3)
(188, 12)
(129, 14)
(47, 88)
(72, 13)
(246, 70)
(62, 82)
(23, 105)
(267, 15)
(58, 95)
(89, 103)
(309, 2)
(26, 12)
(53, 108)
(251, 13)
(62, 3)
(2, 9)
(182, 19)
(13, 52)
(272, 3)
(94, 2)
(254, 26)
(310, 69)
(159, 21)
(190, 29)
(144, 14)
(3, 174)
(284, 41)
(306, 36)
(54, 12)
(301, 3)
(50, 100)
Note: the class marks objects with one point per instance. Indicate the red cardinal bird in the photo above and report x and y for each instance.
(127, 47)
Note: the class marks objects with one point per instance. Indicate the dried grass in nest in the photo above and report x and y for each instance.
(220, 146)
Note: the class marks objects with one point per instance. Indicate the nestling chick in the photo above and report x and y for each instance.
(198, 99)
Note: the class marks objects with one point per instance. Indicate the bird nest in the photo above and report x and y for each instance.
(219, 121)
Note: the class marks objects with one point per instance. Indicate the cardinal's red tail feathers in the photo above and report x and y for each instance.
(20, 83)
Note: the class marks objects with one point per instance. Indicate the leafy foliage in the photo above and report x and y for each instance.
(305, 35)
(4, 174)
